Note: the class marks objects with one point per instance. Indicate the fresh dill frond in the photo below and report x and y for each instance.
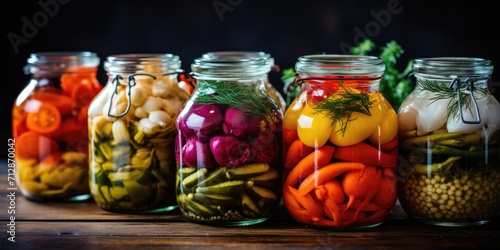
(244, 97)
(443, 92)
(340, 106)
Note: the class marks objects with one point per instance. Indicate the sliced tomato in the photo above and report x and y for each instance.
(45, 120)
(63, 103)
(31, 145)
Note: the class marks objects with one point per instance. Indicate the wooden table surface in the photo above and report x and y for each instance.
(83, 225)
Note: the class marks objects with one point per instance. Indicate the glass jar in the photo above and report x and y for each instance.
(273, 92)
(50, 125)
(132, 131)
(340, 140)
(229, 150)
(449, 144)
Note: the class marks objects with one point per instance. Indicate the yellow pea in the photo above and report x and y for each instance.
(313, 128)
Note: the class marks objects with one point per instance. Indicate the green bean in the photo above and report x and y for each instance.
(431, 138)
(440, 167)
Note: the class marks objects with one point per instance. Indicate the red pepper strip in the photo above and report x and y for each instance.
(352, 217)
(308, 202)
(312, 162)
(379, 215)
(332, 211)
(320, 193)
(366, 154)
(356, 205)
(372, 192)
(295, 210)
(334, 190)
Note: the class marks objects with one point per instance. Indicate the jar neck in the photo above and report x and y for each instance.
(449, 68)
(334, 72)
(52, 64)
(153, 65)
(452, 72)
(231, 69)
(240, 55)
(342, 66)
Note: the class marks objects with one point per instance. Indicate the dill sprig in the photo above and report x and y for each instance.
(244, 97)
(340, 106)
(443, 92)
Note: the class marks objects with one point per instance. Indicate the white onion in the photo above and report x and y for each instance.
(432, 116)
(407, 118)
(455, 123)
(492, 116)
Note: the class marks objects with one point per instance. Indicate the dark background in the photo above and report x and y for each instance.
(285, 29)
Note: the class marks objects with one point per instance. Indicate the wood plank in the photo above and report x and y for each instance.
(114, 235)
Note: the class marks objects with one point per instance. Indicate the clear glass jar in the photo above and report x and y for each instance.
(132, 131)
(229, 150)
(49, 121)
(273, 92)
(449, 143)
(340, 142)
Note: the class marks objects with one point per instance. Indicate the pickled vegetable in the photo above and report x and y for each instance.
(244, 184)
(236, 194)
(52, 136)
(449, 144)
(132, 130)
(341, 157)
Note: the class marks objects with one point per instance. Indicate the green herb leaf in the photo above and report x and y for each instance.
(443, 92)
(342, 104)
(244, 97)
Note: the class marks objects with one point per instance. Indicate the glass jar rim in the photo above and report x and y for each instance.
(334, 64)
(131, 63)
(239, 54)
(453, 66)
(60, 60)
(230, 67)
